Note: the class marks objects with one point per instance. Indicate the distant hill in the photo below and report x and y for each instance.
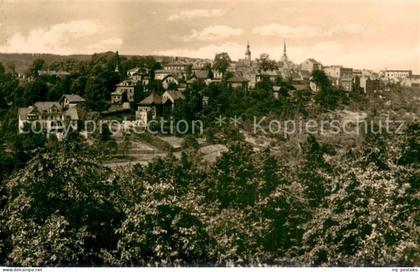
(22, 61)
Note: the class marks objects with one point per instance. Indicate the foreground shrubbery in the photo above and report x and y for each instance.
(359, 208)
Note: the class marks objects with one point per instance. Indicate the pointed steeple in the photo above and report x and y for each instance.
(284, 47)
(284, 58)
(248, 52)
(117, 62)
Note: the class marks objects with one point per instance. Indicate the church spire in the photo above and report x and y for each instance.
(248, 52)
(284, 58)
(284, 47)
(117, 62)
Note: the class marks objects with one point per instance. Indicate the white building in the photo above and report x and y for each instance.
(50, 116)
(310, 65)
(395, 75)
(124, 92)
(340, 76)
(413, 81)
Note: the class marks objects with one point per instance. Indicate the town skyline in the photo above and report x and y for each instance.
(361, 37)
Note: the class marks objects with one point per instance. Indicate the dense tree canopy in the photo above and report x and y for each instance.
(265, 63)
(221, 62)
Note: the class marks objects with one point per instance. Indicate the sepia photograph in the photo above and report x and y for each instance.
(208, 134)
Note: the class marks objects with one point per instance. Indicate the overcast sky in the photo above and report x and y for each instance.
(358, 34)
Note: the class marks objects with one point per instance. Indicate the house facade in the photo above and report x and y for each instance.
(340, 76)
(310, 65)
(124, 92)
(50, 116)
(369, 85)
(238, 82)
(271, 75)
(177, 66)
(70, 100)
(155, 105)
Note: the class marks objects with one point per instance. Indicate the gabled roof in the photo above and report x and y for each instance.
(72, 114)
(43, 106)
(176, 95)
(125, 83)
(152, 99)
(276, 88)
(137, 71)
(312, 60)
(23, 112)
(46, 105)
(73, 98)
(170, 75)
(133, 70)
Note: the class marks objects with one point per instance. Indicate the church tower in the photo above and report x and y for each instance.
(284, 58)
(248, 52)
(284, 47)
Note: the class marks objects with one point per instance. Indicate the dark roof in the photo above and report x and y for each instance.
(152, 99)
(312, 60)
(138, 70)
(236, 79)
(200, 74)
(300, 87)
(73, 98)
(170, 75)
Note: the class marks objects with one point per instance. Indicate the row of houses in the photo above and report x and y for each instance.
(175, 77)
(404, 77)
(246, 73)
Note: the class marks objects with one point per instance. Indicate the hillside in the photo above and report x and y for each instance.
(22, 61)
